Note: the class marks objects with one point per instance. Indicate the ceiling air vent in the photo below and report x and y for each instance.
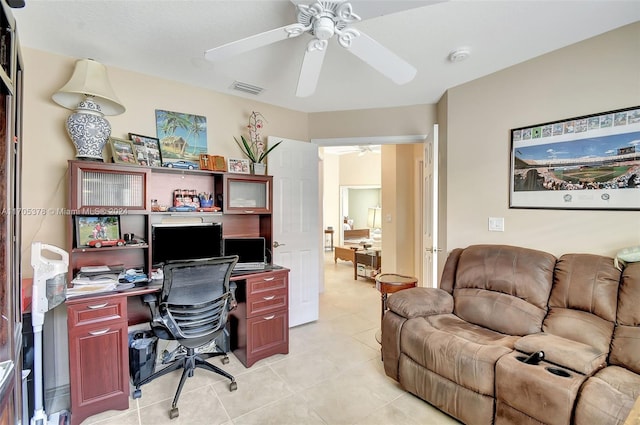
(247, 88)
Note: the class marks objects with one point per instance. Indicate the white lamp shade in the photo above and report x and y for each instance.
(89, 79)
(374, 218)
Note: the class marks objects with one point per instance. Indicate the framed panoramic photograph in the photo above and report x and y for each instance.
(147, 150)
(588, 162)
(96, 227)
(122, 151)
(240, 166)
(183, 137)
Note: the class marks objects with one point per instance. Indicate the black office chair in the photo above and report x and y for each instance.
(192, 309)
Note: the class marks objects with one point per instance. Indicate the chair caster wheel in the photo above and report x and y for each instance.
(233, 386)
(174, 413)
(225, 360)
(137, 393)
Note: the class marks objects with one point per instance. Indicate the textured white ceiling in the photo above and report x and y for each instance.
(168, 38)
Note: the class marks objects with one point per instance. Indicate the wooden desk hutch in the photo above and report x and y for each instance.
(98, 337)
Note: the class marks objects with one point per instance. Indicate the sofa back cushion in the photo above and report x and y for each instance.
(584, 299)
(503, 288)
(626, 337)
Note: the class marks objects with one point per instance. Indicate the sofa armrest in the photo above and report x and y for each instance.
(418, 302)
(564, 352)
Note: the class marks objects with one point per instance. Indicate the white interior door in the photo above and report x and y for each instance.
(296, 223)
(430, 209)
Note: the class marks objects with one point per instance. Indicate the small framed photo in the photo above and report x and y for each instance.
(240, 166)
(90, 228)
(147, 150)
(122, 151)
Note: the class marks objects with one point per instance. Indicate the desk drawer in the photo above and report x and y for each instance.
(267, 293)
(95, 311)
(266, 283)
(267, 302)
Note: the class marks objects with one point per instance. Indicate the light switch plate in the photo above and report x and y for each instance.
(496, 224)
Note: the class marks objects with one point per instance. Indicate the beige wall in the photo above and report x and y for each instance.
(475, 118)
(47, 147)
(593, 76)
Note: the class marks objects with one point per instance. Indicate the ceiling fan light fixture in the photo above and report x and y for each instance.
(459, 54)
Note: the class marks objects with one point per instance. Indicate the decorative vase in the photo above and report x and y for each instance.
(258, 168)
(89, 130)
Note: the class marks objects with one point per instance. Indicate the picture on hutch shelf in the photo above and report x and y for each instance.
(96, 227)
(122, 151)
(147, 150)
(183, 137)
(240, 166)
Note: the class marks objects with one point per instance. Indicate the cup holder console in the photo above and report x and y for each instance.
(534, 358)
(559, 372)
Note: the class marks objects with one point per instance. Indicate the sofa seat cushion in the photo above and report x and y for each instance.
(461, 352)
(573, 355)
(607, 397)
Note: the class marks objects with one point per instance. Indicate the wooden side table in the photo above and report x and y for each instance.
(388, 283)
(329, 246)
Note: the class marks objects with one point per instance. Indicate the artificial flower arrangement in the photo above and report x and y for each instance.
(254, 148)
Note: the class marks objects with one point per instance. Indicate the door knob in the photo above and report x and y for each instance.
(277, 244)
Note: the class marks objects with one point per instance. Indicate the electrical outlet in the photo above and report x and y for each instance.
(496, 224)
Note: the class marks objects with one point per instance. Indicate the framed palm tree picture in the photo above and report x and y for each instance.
(182, 138)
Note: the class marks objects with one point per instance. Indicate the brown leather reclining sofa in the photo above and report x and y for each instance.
(518, 336)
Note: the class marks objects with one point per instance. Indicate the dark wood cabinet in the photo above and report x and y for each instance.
(260, 324)
(11, 81)
(98, 325)
(98, 356)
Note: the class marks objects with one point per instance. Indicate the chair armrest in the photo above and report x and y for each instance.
(152, 301)
(419, 302)
(233, 303)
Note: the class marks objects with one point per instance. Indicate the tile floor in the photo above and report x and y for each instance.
(332, 375)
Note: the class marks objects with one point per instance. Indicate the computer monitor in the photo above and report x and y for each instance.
(171, 241)
(251, 252)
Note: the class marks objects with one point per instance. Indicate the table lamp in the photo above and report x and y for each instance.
(89, 94)
(374, 221)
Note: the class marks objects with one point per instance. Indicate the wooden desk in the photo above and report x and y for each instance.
(98, 327)
(99, 349)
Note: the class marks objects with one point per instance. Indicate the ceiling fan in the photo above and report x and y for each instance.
(324, 20)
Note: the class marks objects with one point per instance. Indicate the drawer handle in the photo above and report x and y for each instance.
(249, 211)
(102, 332)
(269, 298)
(269, 317)
(268, 279)
(93, 307)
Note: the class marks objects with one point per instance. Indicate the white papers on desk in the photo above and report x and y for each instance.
(89, 289)
(95, 283)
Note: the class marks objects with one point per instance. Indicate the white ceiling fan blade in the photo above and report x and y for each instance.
(247, 44)
(310, 71)
(382, 59)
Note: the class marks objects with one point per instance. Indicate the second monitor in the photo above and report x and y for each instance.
(251, 252)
